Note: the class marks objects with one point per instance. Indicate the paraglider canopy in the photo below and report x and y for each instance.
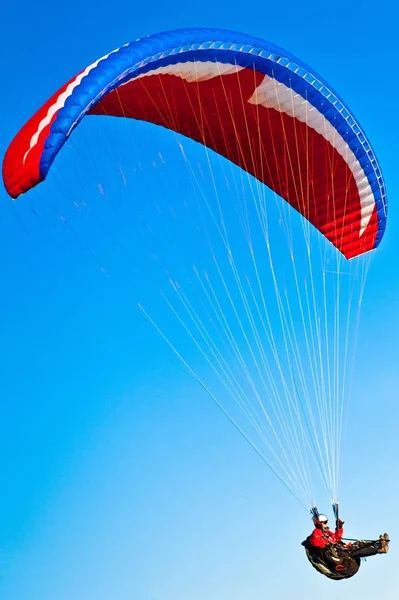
(245, 98)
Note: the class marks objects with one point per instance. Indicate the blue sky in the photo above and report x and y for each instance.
(120, 479)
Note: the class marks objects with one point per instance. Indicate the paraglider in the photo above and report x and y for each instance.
(275, 118)
(331, 556)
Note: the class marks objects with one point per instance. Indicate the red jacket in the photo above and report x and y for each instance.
(321, 539)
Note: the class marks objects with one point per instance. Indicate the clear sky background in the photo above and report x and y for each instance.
(120, 480)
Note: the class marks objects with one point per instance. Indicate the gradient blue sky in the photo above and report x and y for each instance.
(113, 485)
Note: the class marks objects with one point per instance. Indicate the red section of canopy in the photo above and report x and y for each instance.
(21, 164)
(291, 158)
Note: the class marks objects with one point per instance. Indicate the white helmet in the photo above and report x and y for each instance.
(323, 519)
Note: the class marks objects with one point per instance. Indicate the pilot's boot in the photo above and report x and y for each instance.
(383, 544)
